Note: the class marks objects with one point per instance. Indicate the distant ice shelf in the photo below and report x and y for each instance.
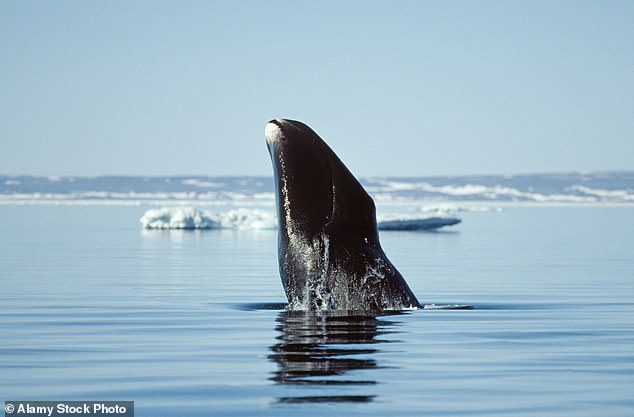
(570, 189)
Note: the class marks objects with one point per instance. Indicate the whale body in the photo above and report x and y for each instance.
(329, 253)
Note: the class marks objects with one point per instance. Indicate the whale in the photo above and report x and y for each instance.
(329, 254)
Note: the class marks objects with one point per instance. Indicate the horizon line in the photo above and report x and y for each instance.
(541, 173)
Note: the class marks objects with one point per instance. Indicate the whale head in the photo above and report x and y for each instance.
(315, 190)
(329, 253)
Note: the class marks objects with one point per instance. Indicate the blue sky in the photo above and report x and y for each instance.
(412, 88)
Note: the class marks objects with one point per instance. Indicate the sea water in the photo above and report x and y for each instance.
(191, 323)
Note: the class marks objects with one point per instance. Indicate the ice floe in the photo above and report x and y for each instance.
(191, 218)
(414, 222)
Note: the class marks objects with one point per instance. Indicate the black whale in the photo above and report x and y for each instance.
(329, 253)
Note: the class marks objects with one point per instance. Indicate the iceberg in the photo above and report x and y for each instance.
(179, 218)
(414, 222)
(190, 218)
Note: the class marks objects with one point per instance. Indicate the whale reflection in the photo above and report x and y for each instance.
(322, 349)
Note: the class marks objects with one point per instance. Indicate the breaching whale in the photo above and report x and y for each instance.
(329, 253)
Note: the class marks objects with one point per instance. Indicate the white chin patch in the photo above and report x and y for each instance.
(272, 132)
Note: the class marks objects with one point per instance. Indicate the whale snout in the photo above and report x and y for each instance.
(273, 131)
(281, 133)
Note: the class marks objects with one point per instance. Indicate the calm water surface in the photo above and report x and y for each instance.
(190, 324)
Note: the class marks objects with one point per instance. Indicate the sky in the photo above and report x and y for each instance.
(396, 88)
